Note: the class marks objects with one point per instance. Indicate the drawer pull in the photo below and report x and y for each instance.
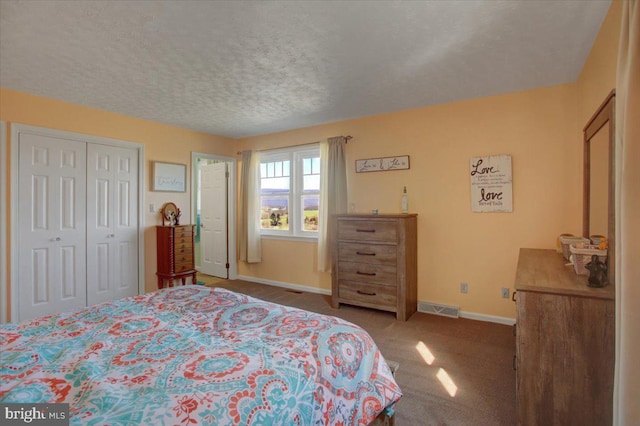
(363, 253)
(365, 293)
(369, 274)
(365, 230)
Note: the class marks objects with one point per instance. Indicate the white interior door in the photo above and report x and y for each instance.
(213, 220)
(112, 224)
(51, 225)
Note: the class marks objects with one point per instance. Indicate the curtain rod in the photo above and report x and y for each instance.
(346, 138)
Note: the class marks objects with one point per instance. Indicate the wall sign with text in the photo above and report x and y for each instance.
(491, 182)
(400, 162)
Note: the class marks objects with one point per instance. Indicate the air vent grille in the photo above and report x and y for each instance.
(438, 309)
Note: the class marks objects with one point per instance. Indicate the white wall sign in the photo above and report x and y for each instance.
(400, 162)
(491, 182)
(169, 177)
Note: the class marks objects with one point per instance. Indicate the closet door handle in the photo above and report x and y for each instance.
(363, 253)
(365, 230)
(513, 296)
(369, 274)
(365, 293)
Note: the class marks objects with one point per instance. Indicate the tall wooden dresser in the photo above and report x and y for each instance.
(175, 253)
(374, 262)
(565, 344)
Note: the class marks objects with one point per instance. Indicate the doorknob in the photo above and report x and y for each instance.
(112, 235)
(56, 239)
(202, 225)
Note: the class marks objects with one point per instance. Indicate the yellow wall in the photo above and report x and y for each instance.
(542, 131)
(162, 143)
(454, 244)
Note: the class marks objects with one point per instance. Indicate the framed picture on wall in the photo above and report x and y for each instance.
(168, 177)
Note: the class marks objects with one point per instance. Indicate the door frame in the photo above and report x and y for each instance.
(3, 223)
(231, 204)
(16, 130)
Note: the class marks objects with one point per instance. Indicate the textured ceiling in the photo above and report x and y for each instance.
(239, 69)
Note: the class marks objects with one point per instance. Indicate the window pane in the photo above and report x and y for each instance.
(306, 166)
(270, 172)
(271, 185)
(274, 213)
(286, 167)
(315, 165)
(310, 212)
(278, 172)
(311, 183)
(263, 169)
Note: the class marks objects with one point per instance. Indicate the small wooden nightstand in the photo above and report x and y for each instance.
(175, 254)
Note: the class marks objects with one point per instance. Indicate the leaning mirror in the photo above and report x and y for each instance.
(599, 174)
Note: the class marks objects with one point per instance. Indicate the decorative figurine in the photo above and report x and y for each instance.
(598, 276)
(177, 216)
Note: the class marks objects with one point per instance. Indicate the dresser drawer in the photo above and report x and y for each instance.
(368, 293)
(368, 273)
(183, 257)
(183, 250)
(378, 254)
(182, 243)
(182, 266)
(183, 231)
(368, 230)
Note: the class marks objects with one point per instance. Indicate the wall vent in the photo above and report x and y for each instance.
(438, 309)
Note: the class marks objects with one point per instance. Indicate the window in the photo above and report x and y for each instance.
(290, 191)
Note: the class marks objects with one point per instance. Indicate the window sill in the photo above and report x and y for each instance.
(289, 238)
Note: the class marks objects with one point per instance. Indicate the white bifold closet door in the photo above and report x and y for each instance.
(112, 223)
(51, 225)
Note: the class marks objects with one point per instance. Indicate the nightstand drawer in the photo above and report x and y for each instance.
(368, 273)
(368, 253)
(367, 293)
(368, 230)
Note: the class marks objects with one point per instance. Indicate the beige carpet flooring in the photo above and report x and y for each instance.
(452, 371)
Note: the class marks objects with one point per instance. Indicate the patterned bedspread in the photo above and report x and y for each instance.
(197, 355)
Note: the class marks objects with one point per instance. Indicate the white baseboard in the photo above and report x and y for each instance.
(291, 286)
(285, 285)
(488, 318)
(468, 315)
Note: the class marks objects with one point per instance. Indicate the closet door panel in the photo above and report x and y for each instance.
(112, 231)
(51, 225)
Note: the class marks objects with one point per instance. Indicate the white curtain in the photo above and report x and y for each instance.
(249, 232)
(626, 399)
(333, 194)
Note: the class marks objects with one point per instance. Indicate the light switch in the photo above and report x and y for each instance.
(152, 208)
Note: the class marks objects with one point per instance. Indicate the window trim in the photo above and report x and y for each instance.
(295, 155)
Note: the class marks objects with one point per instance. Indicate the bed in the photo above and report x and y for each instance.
(197, 355)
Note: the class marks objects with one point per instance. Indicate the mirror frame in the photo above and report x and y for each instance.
(604, 114)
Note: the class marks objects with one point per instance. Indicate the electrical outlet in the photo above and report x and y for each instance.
(505, 293)
(464, 288)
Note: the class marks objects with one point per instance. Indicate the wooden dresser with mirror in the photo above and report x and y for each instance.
(565, 344)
